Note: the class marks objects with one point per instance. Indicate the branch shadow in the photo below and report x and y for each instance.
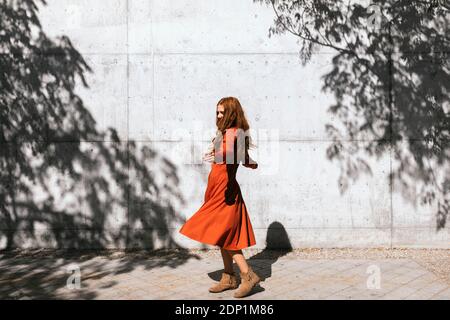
(390, 78)
(63, 182)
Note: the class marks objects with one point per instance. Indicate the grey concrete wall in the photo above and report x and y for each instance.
(159, 68)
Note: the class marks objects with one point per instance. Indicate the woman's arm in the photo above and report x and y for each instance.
(249, 162)
(237, 152)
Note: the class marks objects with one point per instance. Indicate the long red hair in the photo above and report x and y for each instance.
(233, 116)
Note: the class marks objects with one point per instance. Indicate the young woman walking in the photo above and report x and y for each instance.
(223, 218)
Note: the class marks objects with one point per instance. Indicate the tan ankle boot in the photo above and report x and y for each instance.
(228, 281)
(248, 281)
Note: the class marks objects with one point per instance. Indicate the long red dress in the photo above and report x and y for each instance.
(223, 218)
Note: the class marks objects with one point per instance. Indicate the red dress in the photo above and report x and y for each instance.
(223, 218)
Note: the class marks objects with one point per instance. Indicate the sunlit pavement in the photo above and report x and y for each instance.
(188, 276)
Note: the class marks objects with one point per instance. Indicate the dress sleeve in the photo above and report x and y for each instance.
(249, 162)
(234, 153)
(229, 147)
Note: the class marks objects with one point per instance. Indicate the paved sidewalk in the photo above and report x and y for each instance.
(188, 275)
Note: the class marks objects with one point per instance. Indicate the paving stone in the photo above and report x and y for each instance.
(400, 293)
(291, 278)
(420, 295)
(442, 295)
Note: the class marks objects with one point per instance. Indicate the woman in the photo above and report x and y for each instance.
(223, 219)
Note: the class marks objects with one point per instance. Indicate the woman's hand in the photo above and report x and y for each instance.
(250, 165)
(208, 157)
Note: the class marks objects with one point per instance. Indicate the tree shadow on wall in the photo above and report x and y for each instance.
(391, 80)
(64, 183)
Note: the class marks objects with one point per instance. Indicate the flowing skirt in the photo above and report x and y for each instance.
(223, 219)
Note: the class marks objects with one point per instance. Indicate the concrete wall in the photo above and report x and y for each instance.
(159, 68)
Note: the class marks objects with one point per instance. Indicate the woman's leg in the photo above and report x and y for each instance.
(238, 256)
(227, 261)
(249, 278)
(228, 279)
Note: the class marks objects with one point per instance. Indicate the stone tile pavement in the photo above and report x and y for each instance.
(186, 275)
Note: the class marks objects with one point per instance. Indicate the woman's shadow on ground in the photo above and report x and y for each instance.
(277, 245)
